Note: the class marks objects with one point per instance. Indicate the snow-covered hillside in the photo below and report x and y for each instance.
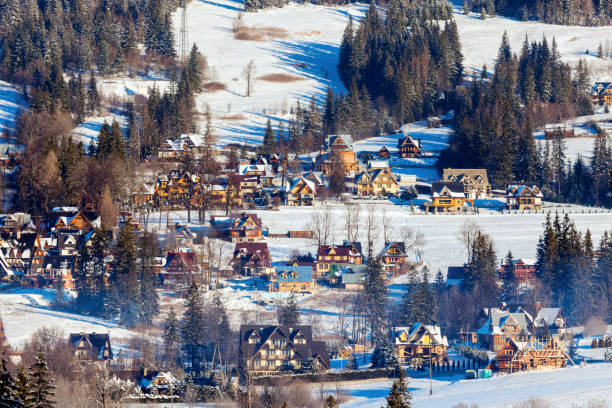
(564, 388)
(12, 103)
(302, 42)
(24, 311)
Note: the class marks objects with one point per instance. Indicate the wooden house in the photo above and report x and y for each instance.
(318, 179)
(245, 227)
(523, 197)
(434, 122)
(475, 182)
(294, 279)
(252, 259)
(78, 221)
(330, 256)
(500, 326)
(601, 93)
(91, 346)
(379, 181)
(524, 270)
(273, 350)
(184, 237)
(338, 143)
(347, 159)
(549, 320)
(552, 132)
(419, 344)
(529, 354)
(181, 269)
(384, 153)
(301, 192)
(143, 193)
(393, 255)
(448, 197)
(159, 382)
(409, 147)
(353, 277)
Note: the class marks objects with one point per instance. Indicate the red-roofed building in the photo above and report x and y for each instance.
(252, 259)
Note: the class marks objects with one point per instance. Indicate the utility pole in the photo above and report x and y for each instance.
(430, 376)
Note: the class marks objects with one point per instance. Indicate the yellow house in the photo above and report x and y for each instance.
(143, 193)
(301, 192)
(420, 344)
(294, 279)
(448, 197)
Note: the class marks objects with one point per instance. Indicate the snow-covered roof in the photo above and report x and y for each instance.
(547, 316)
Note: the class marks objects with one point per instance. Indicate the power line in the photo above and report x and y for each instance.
(183, 41)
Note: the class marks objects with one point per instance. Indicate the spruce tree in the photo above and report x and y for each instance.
(399, 396)
(376, 301)
(172, 339)
(192, 328)
(148, 303)
(41, 384)
(23, 390)
(352, 363)
(8, 388)
(289, 314)
(124, 277)
(269, 141)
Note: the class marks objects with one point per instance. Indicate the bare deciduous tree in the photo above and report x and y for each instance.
(352, 216)
(248, 73)
(371, 226)
(412, 239)
(467, 234)
(320, 225)
(387, 226)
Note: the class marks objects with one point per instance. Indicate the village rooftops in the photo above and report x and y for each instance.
(497, 320)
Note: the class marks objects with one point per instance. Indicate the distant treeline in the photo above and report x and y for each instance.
(569, 12)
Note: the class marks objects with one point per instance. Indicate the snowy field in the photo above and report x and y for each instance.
(24, 311)
(88, 131)
(442, 247)
(572, 387)
(11, 105)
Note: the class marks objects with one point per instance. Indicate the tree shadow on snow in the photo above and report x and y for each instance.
(225, 6)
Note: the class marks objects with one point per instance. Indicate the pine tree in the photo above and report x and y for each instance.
(172, 338)
(509, 287)
(60, 298)
(193, 328)
(269, 141)
(93, 99)
(376, 301)
(289, 314)
(23, 390)
(331, 402)
(148, 304)
(124, 277)
(8, 388)
(399, 396)
(352, 363)
(41, 385)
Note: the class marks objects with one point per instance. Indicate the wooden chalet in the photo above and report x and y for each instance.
(331, 257)
(601, 93)
(552, 132)
(448, 197)
(502, 325)
(549, 320)
(393, 256)
(143, 193)
(294, 279)
(409, 147)
(301, 192)
(379, 181)
(475, 182)
(91, 346)
(420, 344)
(524, 270)
(524, 197)
(434, 122)
(529, 354)
(245, 227)
(318, 179)
(77, 221)
(384, 153)
(272, 350)
(339, 143)
(347, 159)
(252, 259)
(181, 269)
